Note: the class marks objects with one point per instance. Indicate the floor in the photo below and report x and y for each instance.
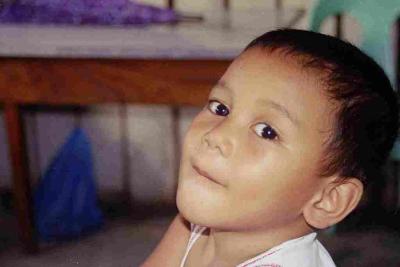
(121, 242)
(126, 241)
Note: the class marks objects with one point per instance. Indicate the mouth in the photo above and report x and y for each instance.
(205, 175)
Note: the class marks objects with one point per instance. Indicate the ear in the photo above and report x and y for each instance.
(333, 202)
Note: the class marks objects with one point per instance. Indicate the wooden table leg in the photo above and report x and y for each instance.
(339, 26)
(20, 173)
(171, 4)
(176, 114)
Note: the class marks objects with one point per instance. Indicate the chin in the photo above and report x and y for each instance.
(201, 209)
(187, 205)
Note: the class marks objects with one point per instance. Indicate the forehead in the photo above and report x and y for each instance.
(261, 70)
(258, 75)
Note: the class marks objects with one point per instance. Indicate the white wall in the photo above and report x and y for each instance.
(150, 138)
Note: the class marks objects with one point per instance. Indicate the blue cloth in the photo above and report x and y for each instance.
(80, 12)
(65, 199)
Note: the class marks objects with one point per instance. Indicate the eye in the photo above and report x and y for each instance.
(265, 131)
(218, 108)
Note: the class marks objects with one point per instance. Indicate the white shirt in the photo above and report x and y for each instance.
(305, 251)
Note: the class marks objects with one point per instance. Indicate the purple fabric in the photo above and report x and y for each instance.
(81, 12)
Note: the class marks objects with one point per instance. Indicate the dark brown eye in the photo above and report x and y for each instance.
(265, 131)
(218, 108)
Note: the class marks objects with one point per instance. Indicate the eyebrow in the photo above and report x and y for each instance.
(222, 84)
(267, 102)
(280, 108)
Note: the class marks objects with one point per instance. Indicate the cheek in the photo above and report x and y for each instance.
(193, 134)
(273, 184)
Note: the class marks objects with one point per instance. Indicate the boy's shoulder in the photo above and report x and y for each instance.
(302, 251)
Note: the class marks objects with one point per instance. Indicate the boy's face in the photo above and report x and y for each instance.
(259, 140)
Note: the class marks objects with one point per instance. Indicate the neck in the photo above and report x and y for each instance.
(228, 248)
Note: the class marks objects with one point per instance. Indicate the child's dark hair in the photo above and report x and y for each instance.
(367, 108)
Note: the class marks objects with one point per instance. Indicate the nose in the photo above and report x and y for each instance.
(219, 139)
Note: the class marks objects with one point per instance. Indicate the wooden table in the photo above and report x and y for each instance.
(86, 82)
(174, 65)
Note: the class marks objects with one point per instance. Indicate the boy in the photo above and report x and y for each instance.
(292, 133)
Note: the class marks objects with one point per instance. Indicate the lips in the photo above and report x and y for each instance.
(205, 174)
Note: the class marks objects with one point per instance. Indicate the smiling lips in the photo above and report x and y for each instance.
(205, 174)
